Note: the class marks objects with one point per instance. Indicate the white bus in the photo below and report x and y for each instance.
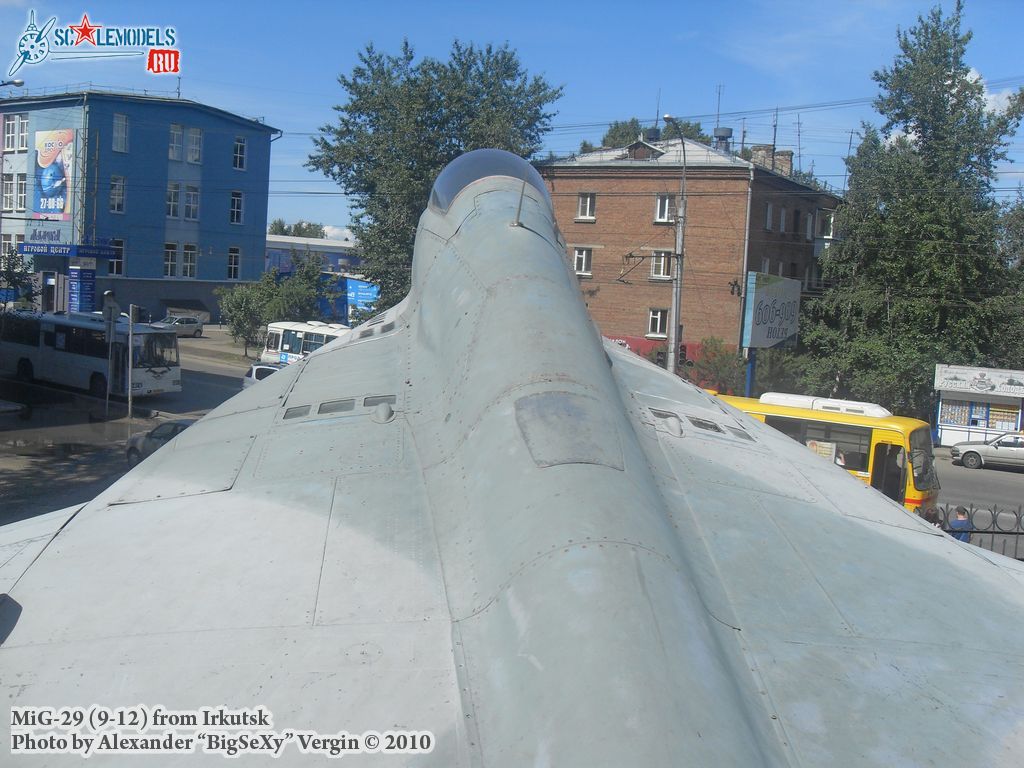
(290, 341)
(71, 349)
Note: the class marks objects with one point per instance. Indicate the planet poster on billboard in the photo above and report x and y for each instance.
(772, 315)
(54, 170)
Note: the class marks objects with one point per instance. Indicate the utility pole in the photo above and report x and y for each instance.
(677, 261)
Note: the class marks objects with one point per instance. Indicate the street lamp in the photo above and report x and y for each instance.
(17, 83)
(677, 270)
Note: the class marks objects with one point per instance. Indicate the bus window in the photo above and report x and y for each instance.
(291, 341)
(157, 350)
(273, 341)
(888, 472)
(311, 342)
(922, 460)
(793, 428)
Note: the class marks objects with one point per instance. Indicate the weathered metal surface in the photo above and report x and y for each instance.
(487, 524)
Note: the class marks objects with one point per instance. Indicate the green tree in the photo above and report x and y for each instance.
(403, 121)
(243, 309)
(916, 276)
(717, 367)
(297, 296)
(18, 284)
(687, 129)
(622, 133)
(299, 229)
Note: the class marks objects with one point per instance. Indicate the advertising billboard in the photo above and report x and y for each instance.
(54, 174)
(772, 314)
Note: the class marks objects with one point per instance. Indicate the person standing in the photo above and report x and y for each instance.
(961, 527)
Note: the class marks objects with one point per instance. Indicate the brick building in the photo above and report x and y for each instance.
(617, 208)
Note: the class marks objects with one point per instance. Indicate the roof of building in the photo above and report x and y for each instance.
(313, 243)
(44, 97)
(663, 154)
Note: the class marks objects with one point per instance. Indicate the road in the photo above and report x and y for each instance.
(984, 488)
(205, 384)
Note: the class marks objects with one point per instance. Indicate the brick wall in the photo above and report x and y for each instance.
(623, 235)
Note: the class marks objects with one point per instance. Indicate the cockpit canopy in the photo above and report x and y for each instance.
(480, 164)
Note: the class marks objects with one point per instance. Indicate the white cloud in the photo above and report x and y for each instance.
(338, 233)
(995, 101)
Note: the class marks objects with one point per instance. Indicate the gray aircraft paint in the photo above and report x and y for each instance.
(535, 544)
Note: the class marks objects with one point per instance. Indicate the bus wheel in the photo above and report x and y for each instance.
(25, 372)
(971, 460)
(98, 385)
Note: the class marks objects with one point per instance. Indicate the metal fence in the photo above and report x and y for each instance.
(999, 529)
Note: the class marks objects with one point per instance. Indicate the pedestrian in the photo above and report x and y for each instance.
(931, 515)
(961, 527)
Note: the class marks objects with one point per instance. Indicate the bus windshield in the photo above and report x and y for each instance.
(922, 459)
(156, 350)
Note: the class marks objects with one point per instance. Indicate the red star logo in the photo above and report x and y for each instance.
(86, 32)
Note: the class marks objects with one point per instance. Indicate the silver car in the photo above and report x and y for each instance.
(1006, 450)
(183, 326)
(143, 444)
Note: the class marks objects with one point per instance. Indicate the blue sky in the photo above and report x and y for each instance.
(280, 61)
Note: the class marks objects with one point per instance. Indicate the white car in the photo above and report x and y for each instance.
(258, 372)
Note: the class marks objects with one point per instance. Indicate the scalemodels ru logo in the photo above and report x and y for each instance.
(87, 40)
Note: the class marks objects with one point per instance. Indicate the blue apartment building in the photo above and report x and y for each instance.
(161, 200)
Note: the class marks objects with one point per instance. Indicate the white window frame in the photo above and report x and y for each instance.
(769, 213)
(586, 206)
(191, 203)
(173, 199)
(236, 214)
(234, 262)
(10, 133)
(20, 191)
(120, 142)
(115, 266)
(664, 209)
(117, 188)
(7, 192)
(171, 249)
(782, 220)
(176, 146)
(238, 156)
(660, 265)
(583, 260)
(195, 145)
(657, 323)
(189, 260)
(22, 132)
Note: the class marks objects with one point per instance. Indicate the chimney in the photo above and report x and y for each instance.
(722, 137)
(761, 154)
(784, 162)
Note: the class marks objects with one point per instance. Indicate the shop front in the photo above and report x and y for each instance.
(977, 403)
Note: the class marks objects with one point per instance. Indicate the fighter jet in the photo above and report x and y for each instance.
(472, 518)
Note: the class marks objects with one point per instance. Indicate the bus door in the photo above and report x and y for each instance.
(889, 471)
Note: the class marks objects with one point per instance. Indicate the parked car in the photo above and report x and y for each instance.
(143, 444)
(1006, 450)
(183, 326)
(258, 372)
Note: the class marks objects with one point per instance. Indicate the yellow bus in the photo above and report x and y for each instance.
(892, 454)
